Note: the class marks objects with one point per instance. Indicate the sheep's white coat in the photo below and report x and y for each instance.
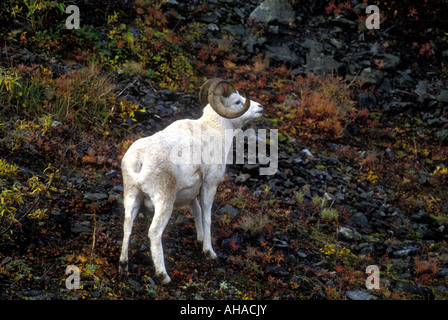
(152, 179)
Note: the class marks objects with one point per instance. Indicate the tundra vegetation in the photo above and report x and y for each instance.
(363, 146)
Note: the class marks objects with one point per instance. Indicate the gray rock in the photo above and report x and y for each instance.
(228, 209)
(336, 43)
(307, 152)
(405, 80)
(213, 27)
(250, 41)
(5, 261)
(283, 53)
(95, 196)
(442, 96)
(239, 12)
(409, 251)
(164, 112)
(236, 30)
(391, 61)
(274, 10)
(441, 135)
(308, 43)
(80, 227)
(360, 8)
(348, 234)
(359, 295)
(371, 76)
(112, 173)
(345, 21)
(242, 178)
(317, 61)
(421, 88)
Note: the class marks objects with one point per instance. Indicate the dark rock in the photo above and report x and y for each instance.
(367, 100)
(233, 242)
(280, 243)
(5, 261)
(317, 61)
(228, 209)
(278, 271)
(111, 173)
(283, 53)
(405, 80)
(441, 135)
(360, 220)
(236, 30)
(414, 288)
(81, 227)
(164, 112)
(422, 217)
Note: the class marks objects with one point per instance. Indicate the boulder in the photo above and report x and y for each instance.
(269, 11)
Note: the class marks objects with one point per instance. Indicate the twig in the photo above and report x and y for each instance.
(351, 82)
(135, 80)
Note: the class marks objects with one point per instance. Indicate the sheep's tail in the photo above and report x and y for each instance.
(131, 174)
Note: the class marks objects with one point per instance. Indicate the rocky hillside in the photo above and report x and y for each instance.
(362, 124)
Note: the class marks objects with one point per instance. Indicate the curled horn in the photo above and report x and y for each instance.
(212, 91)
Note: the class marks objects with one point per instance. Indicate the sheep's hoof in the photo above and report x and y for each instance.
(210, 255)
(123, 267)
(163, 278)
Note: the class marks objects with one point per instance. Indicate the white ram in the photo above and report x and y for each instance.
(152, 178)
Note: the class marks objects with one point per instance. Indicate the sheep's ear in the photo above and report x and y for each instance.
(246, 96)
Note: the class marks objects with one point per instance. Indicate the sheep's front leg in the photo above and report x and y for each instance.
(161, 217)
(197, 214)
(207, 197)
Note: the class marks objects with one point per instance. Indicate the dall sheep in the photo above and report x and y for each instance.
(152, 178)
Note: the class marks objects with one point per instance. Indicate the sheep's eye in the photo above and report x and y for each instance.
(238, 102)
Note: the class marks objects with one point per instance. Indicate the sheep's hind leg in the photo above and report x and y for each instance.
(132, 205)
(197, 214)
(162, 213)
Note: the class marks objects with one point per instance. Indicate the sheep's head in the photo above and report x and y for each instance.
(219, 93)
